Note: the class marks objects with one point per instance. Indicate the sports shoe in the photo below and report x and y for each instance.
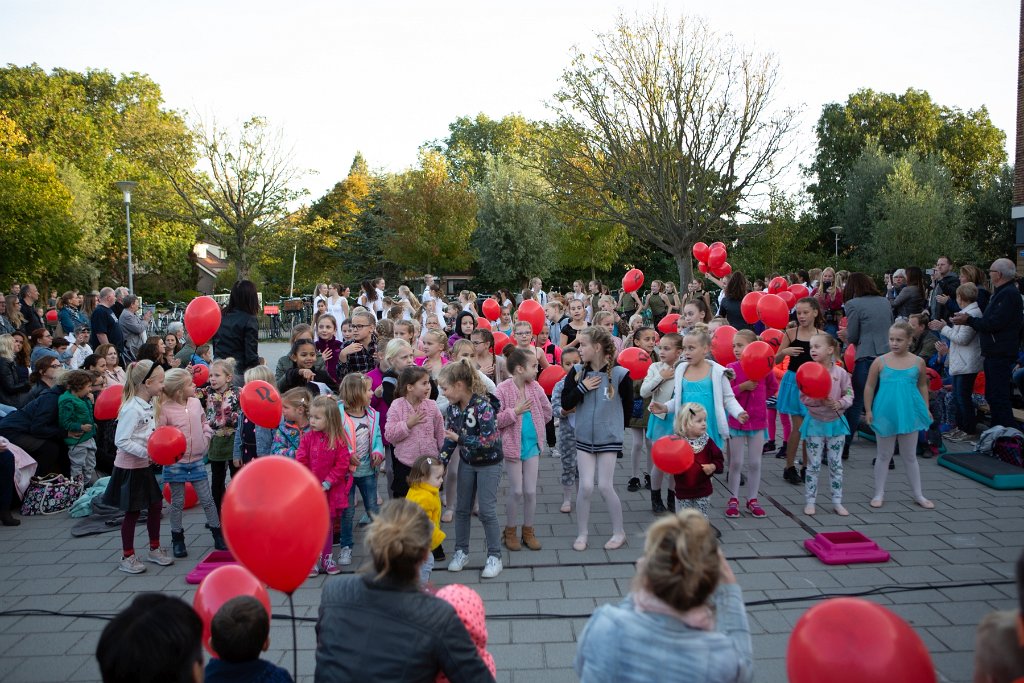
(459, 561)
(768, 447)
(633, 485)
(330, 567)
(345, 556)
(364, 520)
(781, 453)
(733, 508)
(647, 481)
(955, 434)
(131, 565)
(492, 568)
(755, 509)
(791, 475)
(159, 556)
(315, 571)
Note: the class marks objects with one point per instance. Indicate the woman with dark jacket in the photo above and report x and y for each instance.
(735, 290)
(239, 333)
(13, 387)
(36, 429)
(381, 626)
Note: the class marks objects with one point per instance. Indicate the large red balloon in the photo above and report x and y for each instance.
(200, 374)
(722, 270)
(636, 360)
(491, 309)
(672, 454)
(799, 291)
(716, 257)
(222, 584)
(51, 316)
(934, 380)
(773, 311)
(813, 380)
(275, 520)
(549, 377)
(778, 284)
(668, 324)
(108, 403)
(532, 312)
(500, 341)
(849, 640)
(721, 344)
(202, 319)
(773, 338)
(191, 497)
(717, 244)
(702, 267)
(850, 357)
(261, 403)
(757, 360)
(700, 252)
(632, 280)
(166, 445)
(788, 297)
(483, 323)
(748, 307)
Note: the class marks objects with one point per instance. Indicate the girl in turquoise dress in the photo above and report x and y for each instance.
(896, 408)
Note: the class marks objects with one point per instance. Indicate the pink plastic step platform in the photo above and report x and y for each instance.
(217, 558)
(845, 547)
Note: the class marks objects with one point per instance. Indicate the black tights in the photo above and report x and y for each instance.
(6, 481)
(220, 472)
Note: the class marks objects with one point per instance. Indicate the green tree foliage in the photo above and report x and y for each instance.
(472, 141)
(780, 239)
(515, 231)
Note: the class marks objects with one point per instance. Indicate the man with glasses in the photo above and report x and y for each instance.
(999, 332)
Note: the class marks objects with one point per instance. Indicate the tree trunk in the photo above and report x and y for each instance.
(685, 270)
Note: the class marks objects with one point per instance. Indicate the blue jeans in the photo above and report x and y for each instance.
(860, 378)
(963, 387)
(998, 373)
(479, 482)
(368, 490)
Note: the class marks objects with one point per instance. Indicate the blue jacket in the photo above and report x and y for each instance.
(256, 671)
(264, 439)
(39, 418)
(69, 317)
(999, 326)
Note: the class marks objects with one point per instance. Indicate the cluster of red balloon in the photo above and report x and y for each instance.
(772, 308)
(636, 360)
(712, 259)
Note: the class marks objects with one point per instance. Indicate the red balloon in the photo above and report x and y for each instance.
(483, 323)
(636, 360)
(200, 374)
(778, 284)
(551, 376)
(51, 316)
(799, 291)
(721, 344)
(500, 341)
(491, 309)
(191, 497)
(850, 640)
(700, 252)
(813, 380)
(716, 257)
(934, 380)
(722, 270)
(532, 312)
(788, 297)
(850, 358)
(757, 360)
(108, 403)
(669, 323)
(222, 584)
(773, 311)
(748, 307)
(270, 543)
(632, 280)
(672, 454)
(166, 445)
(261, 403)
(773, 338)
(720, 245)
(202, 319)
(702, 267)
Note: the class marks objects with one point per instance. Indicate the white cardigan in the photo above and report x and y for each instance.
(964, 345)
(725, 399)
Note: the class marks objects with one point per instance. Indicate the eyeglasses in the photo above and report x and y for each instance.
(479, 343)
(360, 327)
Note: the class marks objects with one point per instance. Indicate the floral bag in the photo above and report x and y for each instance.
(50, 495)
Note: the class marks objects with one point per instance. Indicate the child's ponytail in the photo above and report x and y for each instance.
(136, 375)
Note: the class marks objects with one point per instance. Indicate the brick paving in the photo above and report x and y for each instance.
(538, 606)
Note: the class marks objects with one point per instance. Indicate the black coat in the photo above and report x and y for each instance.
(39, 418)
(32, 319)
(238, 338)
(379, 631)
(13, 391)
(999, 326)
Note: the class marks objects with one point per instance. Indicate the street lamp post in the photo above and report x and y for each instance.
(837, 229)
(291, 287)
(126, 186)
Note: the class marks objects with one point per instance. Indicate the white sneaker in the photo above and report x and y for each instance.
(159, 556)
(345, 555)
(459, 561)
(492, 568)
(131, 565)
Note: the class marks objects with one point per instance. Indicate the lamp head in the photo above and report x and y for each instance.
(126, 186)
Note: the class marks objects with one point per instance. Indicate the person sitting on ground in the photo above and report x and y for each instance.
(667, 622)
(998, 652)
(156, 638)
(239, 632)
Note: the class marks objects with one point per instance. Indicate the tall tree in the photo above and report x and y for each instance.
(676, 128)
(472, 141)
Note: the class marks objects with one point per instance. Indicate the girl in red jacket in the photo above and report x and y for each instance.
(693, 485)
(524, 412)
(325, 451)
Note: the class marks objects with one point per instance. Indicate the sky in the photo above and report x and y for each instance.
(385, 77)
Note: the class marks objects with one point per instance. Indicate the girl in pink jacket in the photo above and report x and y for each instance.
(324, 449)
(524, 412)
(746, 441)
(415, 427)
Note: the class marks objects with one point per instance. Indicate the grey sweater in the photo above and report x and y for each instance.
(600, 420)
(868, 328)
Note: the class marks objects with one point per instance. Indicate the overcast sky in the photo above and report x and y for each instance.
(383, 77)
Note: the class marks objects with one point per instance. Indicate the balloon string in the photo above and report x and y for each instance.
(295, 641)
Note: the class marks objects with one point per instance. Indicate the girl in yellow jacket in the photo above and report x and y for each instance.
(424, 481)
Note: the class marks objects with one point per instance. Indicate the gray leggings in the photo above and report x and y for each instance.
(202, 488)
(480, 481)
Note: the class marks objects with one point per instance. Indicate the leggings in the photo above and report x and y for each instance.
(522, 490)
(219, 468)
(832, 447)
(908, 451)
(603, 465)
(334, 517)
(152, 525)
(640, 447)
(400, 483)
(657, 479)
(745, 449)
(703, 505)
(786, 424)
(202, 488)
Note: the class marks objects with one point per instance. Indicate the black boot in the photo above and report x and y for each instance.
(7, 519)
(178, 544)
(672, 502)
(218, 539)
(657, 506)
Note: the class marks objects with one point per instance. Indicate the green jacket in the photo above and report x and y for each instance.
(73, 412)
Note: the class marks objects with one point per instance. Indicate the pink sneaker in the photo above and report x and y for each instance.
(755, 508)
(733, 509)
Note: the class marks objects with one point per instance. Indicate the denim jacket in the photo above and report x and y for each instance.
(623, 645)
